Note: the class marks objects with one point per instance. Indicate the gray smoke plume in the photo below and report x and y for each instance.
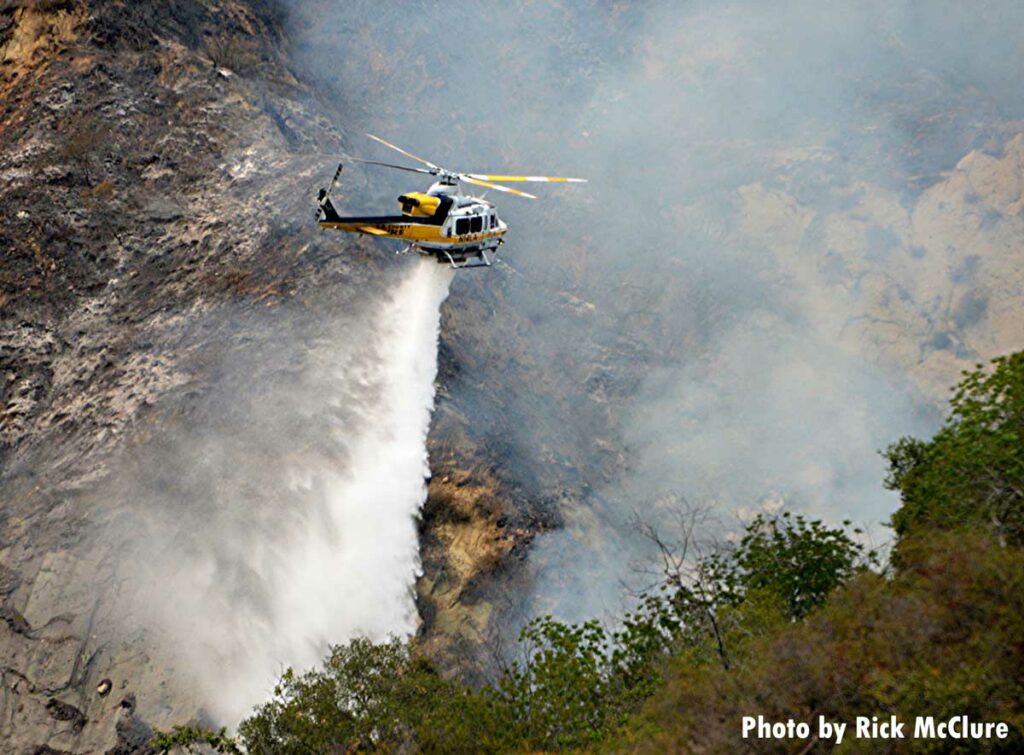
(745, 304)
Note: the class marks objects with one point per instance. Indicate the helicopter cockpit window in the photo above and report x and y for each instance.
(494, 221)
(478, 224)
(462, 226)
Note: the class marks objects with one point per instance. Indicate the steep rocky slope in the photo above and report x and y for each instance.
(927, 283)
(157, 164)
(159, 261)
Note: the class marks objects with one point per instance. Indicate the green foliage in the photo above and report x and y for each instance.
(798, 622)
(557, 698)
(575, 685)
(647, 635)
(943, 638)
(793, 559)
(579, 682)
(195, 739)
(971, 474)
(367, 696)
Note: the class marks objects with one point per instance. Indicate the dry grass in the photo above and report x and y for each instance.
(240, 282)
(232, 52)
(103, 189)
(86, 140)
(36, 28)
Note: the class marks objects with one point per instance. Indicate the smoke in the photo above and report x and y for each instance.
(765, 163)
(745, 303)
(285, 520)
(768, 418)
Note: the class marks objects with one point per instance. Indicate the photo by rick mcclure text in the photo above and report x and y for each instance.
(924, 727)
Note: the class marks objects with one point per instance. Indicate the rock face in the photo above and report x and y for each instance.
(928, 287)
(160, 271)
(154, 204)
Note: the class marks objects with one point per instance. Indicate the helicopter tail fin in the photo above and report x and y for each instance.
(326, 210)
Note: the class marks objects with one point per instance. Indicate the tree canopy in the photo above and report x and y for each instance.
(790, 621)
(971, 473)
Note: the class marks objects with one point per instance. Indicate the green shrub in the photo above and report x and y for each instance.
(367, 696)
(796, 560)
(943, 638)
(971, 474)
(800, 624)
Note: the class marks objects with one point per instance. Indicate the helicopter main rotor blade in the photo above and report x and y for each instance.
(407, 154)
(498, 187)
(534, 179)
(389, 165)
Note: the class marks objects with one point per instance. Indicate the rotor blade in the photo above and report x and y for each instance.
(389, 165)
(407, 154)
(534, 179)
(497, 187)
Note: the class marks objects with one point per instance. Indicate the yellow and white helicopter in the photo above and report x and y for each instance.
(441, 222)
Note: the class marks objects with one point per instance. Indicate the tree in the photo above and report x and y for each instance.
(367, 696)
(575, 684)
(971, 473)
(751, 608)
(689, 579)
(795, 560)
(557, 698)
(192, 738)
(944, 638)
(787, 558)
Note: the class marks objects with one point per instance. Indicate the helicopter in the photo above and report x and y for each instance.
(442, 222)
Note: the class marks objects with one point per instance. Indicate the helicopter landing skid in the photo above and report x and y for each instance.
(481, 261)
(461, 260)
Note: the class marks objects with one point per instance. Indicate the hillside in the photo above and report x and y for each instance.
(739, 647)
(161, 278)
(767, 252)
(150, 204)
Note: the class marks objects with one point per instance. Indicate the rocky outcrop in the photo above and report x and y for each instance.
(928, 286)
(144, 188)
(156, 176)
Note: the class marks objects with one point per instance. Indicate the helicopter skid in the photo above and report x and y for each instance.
(461, 256)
